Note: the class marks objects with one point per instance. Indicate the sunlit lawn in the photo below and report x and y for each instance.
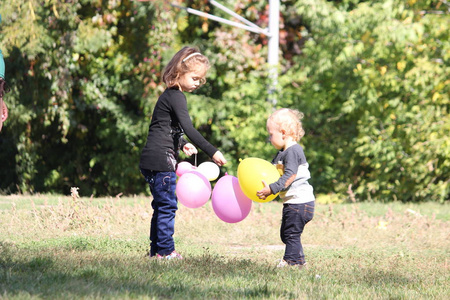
(55, 247)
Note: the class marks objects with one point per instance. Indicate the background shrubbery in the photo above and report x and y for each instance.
(370, 76)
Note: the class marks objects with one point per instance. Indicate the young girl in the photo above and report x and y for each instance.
(3, 107)
(185, 72)
(285, 131)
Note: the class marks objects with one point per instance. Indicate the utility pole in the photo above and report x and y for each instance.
(272, 33)
(274, 41)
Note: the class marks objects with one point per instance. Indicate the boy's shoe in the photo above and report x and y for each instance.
(284, 263)
(173, 255)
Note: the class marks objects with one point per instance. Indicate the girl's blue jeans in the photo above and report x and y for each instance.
(164, 204)
(295, 217)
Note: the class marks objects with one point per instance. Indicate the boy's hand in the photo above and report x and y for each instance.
(265, 192)
(219, 159)
(189, 149)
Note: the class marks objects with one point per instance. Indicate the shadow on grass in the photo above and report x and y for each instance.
(51, 274)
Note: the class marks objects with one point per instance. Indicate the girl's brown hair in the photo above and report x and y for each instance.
(181, 64)
(288, 120)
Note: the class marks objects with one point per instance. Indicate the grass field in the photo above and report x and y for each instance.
(59, 247)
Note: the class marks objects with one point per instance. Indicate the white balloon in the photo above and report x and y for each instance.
(209, 169)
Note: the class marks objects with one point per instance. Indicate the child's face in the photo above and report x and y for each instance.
(276, 136)
(192, 80)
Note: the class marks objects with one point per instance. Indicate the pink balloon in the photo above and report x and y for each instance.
(193, 189)
(184, 167)
(228, 201)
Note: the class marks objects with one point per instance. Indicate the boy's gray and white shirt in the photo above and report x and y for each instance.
(293, 185)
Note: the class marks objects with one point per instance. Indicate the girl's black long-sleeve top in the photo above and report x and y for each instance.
(170, 120)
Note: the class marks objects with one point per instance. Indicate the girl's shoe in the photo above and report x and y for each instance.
(173, 255)
(284, 263)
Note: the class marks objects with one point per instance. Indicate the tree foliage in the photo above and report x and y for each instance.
(374, 81)
(370, 76)
(79, 86)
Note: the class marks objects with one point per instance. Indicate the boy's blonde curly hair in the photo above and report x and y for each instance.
(289, 120)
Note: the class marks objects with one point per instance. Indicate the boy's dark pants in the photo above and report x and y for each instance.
(295, 217)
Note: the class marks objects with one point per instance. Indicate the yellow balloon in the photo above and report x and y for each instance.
(251, 172)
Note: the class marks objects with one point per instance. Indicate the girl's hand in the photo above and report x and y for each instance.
(219, 159)
(189, 149)
(265, 192)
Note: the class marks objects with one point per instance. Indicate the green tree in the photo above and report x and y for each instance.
(80, 73)
(373, 82)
